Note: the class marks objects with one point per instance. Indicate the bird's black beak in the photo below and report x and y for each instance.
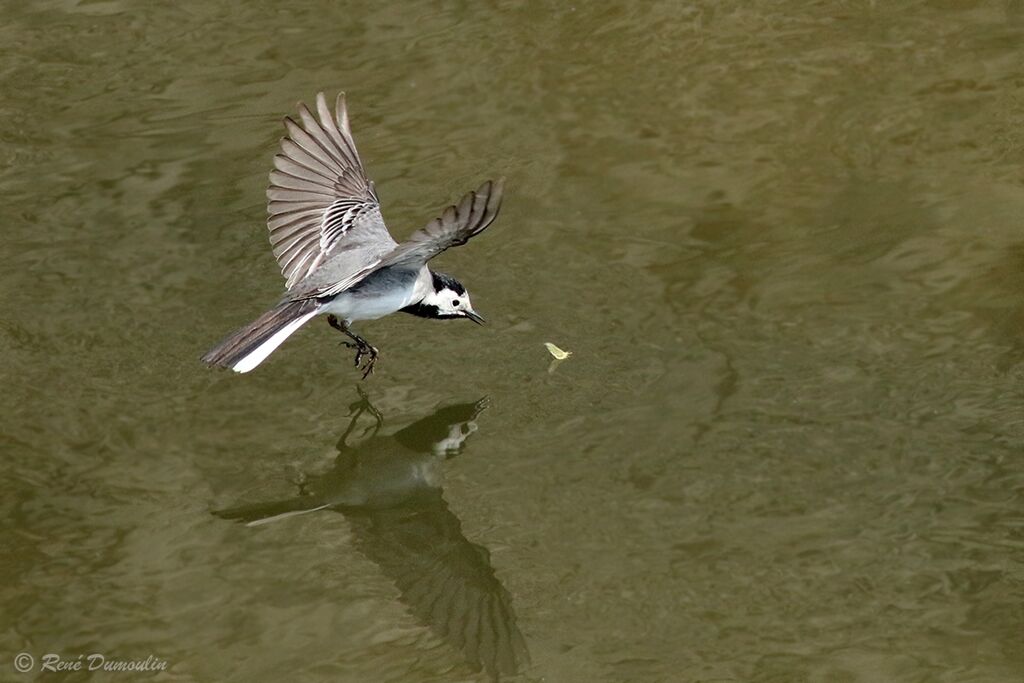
(475, 318)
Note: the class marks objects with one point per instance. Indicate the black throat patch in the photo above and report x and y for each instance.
(429, 311)
(422, 310)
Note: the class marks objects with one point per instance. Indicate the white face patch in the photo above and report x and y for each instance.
(450, 302)
(457, 435)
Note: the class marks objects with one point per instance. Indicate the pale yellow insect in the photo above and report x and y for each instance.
(558, 353)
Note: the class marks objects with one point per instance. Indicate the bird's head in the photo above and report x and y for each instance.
(448, 300)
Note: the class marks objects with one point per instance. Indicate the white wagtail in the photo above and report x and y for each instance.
(335, 252)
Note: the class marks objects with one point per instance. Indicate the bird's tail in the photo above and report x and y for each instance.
(265, 513)
(249, 346)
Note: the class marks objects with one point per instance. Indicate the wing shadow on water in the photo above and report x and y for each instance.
(389, 489)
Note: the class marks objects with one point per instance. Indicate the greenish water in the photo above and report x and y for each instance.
(784, 240)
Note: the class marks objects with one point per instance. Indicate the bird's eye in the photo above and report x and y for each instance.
(455, 303)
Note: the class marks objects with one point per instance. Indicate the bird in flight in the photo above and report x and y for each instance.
(335, 251)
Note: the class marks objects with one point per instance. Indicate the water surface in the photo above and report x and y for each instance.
(783, 240)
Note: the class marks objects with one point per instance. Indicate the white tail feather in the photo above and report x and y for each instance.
(260, 353)
(285, 515)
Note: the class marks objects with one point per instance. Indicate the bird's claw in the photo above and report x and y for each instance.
(368, 368)
(359, 344)
(370, 353)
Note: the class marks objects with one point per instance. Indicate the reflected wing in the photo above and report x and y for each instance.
(319, 197)
(452, 228)
(446, 581)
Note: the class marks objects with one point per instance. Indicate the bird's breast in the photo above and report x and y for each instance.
(381, 294)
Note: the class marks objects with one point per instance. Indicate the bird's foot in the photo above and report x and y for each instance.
(362, 347)
(371, 354)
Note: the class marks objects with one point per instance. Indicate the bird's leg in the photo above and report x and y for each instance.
(362, 347)
(337, 324)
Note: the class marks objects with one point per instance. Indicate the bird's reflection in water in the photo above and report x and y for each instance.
(389, 488)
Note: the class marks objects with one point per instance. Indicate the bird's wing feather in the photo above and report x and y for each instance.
(456, 225)
(320, 199)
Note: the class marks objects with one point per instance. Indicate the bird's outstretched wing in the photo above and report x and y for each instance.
(319, 199)
(474, 212)
(455, 226)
